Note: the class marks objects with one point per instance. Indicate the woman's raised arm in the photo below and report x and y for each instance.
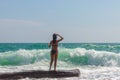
(61, 38)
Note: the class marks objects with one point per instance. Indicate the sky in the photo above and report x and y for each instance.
(25, 21)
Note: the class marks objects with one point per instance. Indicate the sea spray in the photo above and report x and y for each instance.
(77, 56)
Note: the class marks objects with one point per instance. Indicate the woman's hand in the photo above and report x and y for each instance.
(56, 34)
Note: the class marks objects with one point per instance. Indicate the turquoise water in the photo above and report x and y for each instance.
(96, 61)
(74, 53)
(111, 47)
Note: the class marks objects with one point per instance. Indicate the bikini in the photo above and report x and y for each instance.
(54, 51)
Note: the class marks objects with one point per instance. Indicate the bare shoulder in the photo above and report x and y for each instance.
(58, 41)
(51, 42)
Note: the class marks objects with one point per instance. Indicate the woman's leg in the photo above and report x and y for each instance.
(52, 57)
(55, 63)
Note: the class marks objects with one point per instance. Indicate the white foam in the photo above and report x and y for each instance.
(98, 58)
(87, 72)
(93, 57)
(100, 73)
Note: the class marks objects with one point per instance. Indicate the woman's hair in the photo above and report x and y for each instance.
(54, 38)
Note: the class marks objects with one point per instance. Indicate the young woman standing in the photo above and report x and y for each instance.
(54, 50)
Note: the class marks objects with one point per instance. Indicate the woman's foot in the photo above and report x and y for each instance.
(49, 69)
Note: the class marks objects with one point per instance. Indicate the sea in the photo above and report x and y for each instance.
(96, 61)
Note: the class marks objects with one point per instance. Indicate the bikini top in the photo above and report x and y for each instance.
(54, 44)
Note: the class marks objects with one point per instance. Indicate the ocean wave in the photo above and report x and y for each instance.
(22, 57)
(77, 56)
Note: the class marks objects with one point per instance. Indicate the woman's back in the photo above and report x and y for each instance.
(54, 45)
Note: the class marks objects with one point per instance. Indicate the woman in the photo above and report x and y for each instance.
(54, 51)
